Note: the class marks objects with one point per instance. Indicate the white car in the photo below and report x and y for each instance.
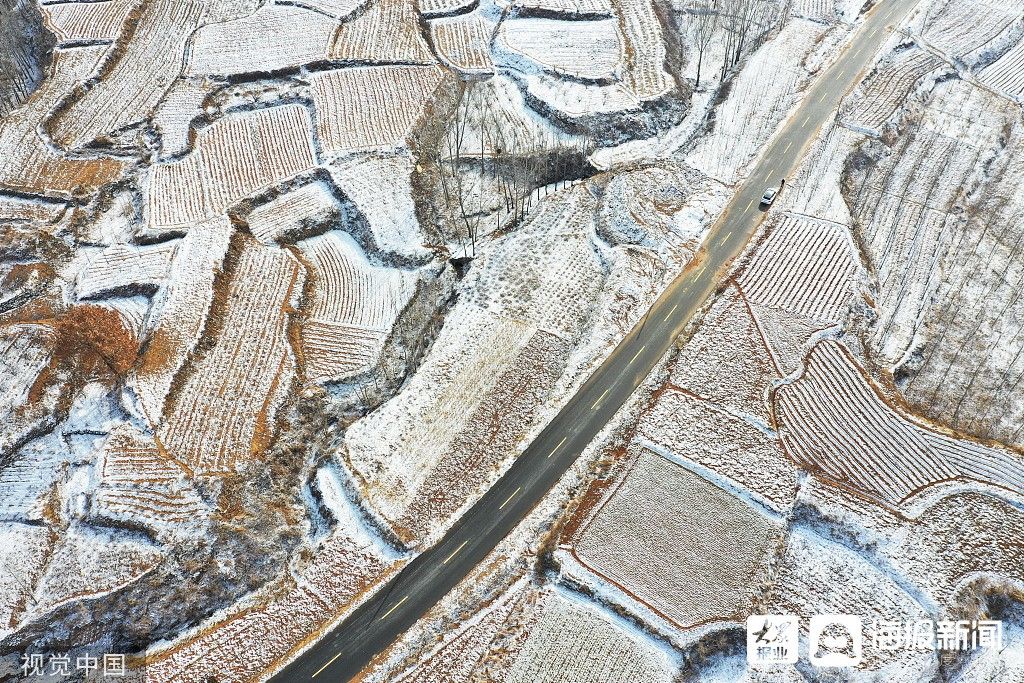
(769, 196)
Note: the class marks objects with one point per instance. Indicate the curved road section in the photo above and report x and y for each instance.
(345, 651)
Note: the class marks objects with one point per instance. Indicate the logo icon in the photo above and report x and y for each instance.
(836, 640)
(772, 639)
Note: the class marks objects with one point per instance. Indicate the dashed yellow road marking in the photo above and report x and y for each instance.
(510, 497)
(671, 312)
(637, 354)
(558, 446)
(598, 401)
(393, 608)
(318, 671)
(455, 552)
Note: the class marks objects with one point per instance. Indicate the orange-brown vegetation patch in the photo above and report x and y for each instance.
(26, 274)
(89, 341)
(93, 341)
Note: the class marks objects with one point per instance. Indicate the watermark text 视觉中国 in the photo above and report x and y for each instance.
(36, 665)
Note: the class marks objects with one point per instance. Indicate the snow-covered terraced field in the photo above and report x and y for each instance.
(28, 163)
(904, 209)
(556, 45)
(368, 108)
(135, 75)
(295, 213)
(759, 99)
(179, 314)
(834, 423)
(234, 157)
(353, 306)
(380, 187)
(729, 332)
(221, 413)
(653, 539)
(463, 42)
(440, 8)
(123, 266)
(968, 30)
(274, 37)
(569, 9)
(644, 47)
(570, 642)
(716, 439)
(26, 351)
(806, 267)
(935, 215)
(1006, 74)
(338, 9)
(140, 486)
(385, 32)
(884, 91)
(86, 21)
(247, 337)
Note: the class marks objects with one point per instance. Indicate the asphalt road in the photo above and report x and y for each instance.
(342, 653)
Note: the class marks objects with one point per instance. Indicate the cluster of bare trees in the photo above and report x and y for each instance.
(494, 167)
(742, 24)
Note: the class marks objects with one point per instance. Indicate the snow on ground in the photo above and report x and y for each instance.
(572, 642)
(86, 21)
(935, 211)
(504, 344)
(295, 214)
(815, 575)
(380, 187)
(463, 42)
(236, 156)
(760, 98)
(1006, 74)
(24, 553)
(370, 108)
(29, 164)
(686, 548)
(836, 425)
(136, 74)
(556, 47)
(806, 280)
(328, 177)
(480, 627)
(219, 415)
(735, 454)
(353, 307)
(274, 37)
(122, 267)
(971, 32)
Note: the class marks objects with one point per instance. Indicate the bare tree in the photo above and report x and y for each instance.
(491, 164)
(746, 24)
(704, 15)
(467, 118)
